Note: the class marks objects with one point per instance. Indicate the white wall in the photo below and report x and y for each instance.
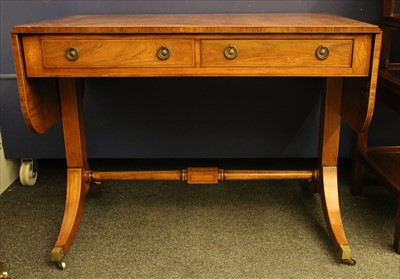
(8, 169)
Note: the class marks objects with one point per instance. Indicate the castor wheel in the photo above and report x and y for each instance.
(61, 265)
(28, 172)
(349, 261)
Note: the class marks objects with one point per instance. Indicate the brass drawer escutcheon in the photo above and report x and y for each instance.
(322, 52)
(163, 52)
(72, 53)
(231, 52)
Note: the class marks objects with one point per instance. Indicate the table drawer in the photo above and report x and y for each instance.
(65, 53)
(276, 53)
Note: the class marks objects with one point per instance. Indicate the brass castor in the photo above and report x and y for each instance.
(57, 256)
(344, 253)
(61, 265)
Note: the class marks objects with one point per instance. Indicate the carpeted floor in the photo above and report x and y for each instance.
(248, 229)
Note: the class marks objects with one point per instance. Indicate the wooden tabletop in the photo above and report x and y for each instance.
(200, 23)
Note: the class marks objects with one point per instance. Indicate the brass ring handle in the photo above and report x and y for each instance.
(231, 52)
(322, 52)
(72, 53)
(163, 52)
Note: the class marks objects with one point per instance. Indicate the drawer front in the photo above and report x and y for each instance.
(64, 53)
(276, 53)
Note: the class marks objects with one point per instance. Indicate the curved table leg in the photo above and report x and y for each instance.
(328, 155)
(330, 205)
(71, 92)
(77, 188)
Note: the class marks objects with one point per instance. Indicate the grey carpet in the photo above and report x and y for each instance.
(249, 229)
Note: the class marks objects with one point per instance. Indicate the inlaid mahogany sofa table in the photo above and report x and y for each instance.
(53, 56)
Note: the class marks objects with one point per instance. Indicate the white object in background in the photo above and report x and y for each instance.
(8, 169)
(28, 172)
